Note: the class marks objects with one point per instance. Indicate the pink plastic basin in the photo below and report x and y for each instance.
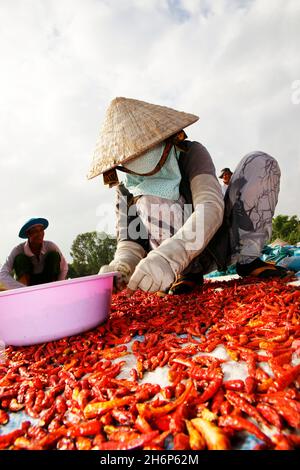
(55, 310)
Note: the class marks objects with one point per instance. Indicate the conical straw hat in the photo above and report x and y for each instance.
(130, 128)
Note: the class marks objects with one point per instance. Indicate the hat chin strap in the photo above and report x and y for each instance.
(110, 177)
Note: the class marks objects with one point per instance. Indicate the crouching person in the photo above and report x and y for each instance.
(171, 224)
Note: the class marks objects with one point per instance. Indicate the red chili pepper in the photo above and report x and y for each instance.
(270, 415)
(83, 443)
(235, 385)
(239, 402)
(97, 409)
(287, 409)
(142, 425)
(135, 443)
(282, 442)
(217, 401)
(181, 441)
(90, 428)
(286, 378)
(4, 418)
(295, 439)
(177, 421)
(149, 410)
(9, 439)
(250, 385)
(242, 424)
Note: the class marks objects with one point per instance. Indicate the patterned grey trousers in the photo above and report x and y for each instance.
(252, 197)
(250, 203)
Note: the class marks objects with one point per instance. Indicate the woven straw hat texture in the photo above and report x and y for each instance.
(130, 128)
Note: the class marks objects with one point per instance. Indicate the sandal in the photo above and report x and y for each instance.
(262, 270)
(186, 283)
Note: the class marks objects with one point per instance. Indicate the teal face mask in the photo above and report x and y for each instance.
(164, 183)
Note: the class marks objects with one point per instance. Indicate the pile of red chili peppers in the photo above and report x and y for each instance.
(71, 386)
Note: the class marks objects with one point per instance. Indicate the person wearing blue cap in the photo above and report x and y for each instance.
(35, 261)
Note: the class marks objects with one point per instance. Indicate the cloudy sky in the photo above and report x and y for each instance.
(235, 63)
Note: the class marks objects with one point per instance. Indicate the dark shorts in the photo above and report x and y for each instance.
(23, 266)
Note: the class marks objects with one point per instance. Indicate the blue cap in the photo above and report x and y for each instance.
(30, 223)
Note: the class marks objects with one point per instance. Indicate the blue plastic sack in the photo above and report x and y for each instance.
(290, 262)
(278, 253)
(230, 270)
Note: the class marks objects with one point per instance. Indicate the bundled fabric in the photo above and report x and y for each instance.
(279, 253)
(287, 256)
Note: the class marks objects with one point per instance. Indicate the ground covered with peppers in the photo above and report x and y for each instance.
(98, 390)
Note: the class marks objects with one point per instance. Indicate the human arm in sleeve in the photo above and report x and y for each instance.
(129, 252)
(161, 266)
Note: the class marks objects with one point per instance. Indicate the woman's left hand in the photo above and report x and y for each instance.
(152, 274)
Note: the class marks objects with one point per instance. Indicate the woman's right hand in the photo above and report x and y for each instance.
(121, 278)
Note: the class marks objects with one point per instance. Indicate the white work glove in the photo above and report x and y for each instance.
(126, 258)
(152, 274)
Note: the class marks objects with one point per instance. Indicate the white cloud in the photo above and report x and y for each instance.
(233, 62)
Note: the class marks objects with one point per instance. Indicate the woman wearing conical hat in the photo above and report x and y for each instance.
(171, 223)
